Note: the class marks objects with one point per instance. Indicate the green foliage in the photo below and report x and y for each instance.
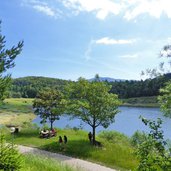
(138, 138)
(92, 103)
(165, 99)
(7, 57)
(10, 159)
(30, 86)
(152, 153)
(49, 104)
(148, 87)
(114, 137)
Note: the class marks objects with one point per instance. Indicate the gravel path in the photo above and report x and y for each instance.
(73, 162)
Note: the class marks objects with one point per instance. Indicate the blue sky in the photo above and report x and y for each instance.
(72, 38)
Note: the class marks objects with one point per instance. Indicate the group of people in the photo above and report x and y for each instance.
(47, 133)
(63, 141)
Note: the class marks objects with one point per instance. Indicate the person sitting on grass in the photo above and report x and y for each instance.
(44, 133)
(53, 132)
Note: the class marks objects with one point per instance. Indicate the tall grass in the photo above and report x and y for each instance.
(37, 163)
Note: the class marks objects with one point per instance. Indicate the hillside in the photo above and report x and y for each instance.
(30, 86)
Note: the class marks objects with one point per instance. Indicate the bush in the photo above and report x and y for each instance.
(137, 138)
(114, 137)
(10, 159)
(151, 153)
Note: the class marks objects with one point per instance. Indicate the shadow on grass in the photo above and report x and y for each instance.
(28, 134)
(74, 148)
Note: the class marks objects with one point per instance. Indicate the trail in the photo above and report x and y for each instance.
(78, 164)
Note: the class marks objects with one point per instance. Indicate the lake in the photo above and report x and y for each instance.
(127, 121)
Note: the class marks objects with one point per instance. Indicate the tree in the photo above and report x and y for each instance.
(7, 57)
(165, 99)
(165, 92)
(92, 103)
(49, 104)
(151, 152)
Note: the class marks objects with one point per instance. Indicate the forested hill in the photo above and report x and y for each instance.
(148, 87)
(30, 86)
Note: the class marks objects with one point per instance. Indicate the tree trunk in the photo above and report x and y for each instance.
(51, 125)
(94, 130)
(94, 134)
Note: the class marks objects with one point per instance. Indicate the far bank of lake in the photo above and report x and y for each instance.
(127, 121)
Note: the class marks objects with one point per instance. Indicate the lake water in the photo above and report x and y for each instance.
(127, 121)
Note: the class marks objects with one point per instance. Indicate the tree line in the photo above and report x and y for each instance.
(28, 87)
(142, 88)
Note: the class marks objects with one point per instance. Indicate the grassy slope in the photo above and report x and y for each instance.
(116, 153)
(16, 111)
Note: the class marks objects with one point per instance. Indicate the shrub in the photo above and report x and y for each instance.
(138, 137)
(10, 159)
(114, 137)
(151, 153)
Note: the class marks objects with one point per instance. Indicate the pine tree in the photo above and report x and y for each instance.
(7, 57)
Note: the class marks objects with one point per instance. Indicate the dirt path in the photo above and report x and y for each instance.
(79, 164)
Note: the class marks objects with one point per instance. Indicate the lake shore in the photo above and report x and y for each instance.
(149, 102)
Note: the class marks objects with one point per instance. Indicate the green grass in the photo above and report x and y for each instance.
(37, 163)
(116, 153)
(141, 102)
(16, 111)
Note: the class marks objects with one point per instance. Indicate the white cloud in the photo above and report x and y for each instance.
(128, 56)
(153, 8)
(109, 41)
(101, 8)
(130, 9)
(87, 54)
(45, 9)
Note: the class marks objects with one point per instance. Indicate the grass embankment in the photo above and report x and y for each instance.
(116, 151)
(37, 163)
(141, 102)
(16, 111)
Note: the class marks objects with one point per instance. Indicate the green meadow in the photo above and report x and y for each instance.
(116, 152)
